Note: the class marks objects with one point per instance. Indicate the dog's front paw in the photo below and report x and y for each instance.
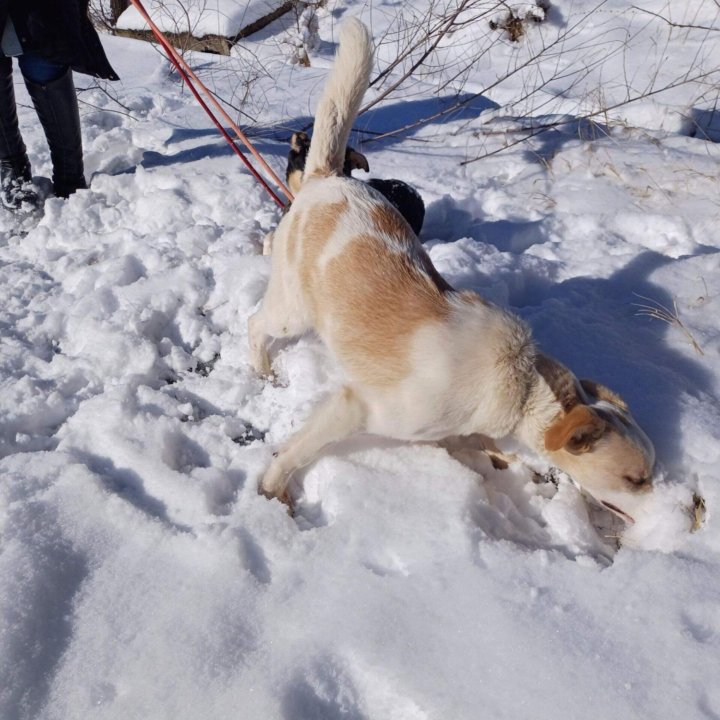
(284, 497)
(275, 484)
(260, 363)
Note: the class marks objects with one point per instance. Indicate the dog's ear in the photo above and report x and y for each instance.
(575, 431)
(602, 393)
(357, 161)
(299, 142)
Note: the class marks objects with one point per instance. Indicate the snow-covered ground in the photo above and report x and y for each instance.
(142, 576)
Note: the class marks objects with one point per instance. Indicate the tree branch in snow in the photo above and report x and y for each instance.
(690, 26)
(550, 63)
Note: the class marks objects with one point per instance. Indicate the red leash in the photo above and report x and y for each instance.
(189, 77)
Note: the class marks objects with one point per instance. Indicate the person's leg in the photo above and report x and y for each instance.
(52, 91)
(11, 143)
(40, 70)
(15, 177)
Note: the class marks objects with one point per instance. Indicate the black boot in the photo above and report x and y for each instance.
(57, 107)
(16, 185)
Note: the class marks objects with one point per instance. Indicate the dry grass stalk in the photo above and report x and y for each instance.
(658, 311)
(698, 511)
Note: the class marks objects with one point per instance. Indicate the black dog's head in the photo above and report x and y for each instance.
(299, 146)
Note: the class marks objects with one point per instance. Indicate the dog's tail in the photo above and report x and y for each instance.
(340, 101)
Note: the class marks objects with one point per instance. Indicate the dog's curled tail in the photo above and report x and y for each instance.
(340, 101)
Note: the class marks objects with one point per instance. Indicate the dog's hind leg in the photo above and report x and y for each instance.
(341, 415)
(258, 339)
(268, 242)
(279, 316)
(265, 325)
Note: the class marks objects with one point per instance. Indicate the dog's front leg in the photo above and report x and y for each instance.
(338, 417)
(463, 448)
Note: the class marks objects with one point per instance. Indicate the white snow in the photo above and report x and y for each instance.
(142, 576)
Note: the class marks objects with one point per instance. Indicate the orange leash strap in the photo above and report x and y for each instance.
(190, 77)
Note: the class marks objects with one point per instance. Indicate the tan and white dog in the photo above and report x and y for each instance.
(422, 361)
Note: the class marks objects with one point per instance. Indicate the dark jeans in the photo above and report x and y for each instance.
(36, 68)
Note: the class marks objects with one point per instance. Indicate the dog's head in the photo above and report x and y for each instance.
(297, 155)
(596, 441)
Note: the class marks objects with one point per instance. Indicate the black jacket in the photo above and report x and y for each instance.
(59, 30)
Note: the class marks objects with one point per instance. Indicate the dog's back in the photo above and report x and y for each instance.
(367, 281)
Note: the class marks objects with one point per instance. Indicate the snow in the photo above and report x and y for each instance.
(142, 576)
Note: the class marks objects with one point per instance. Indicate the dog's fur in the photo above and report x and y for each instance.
(422, 360)
(403, 197)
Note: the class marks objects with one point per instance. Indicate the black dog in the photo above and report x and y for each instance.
(402, 196)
